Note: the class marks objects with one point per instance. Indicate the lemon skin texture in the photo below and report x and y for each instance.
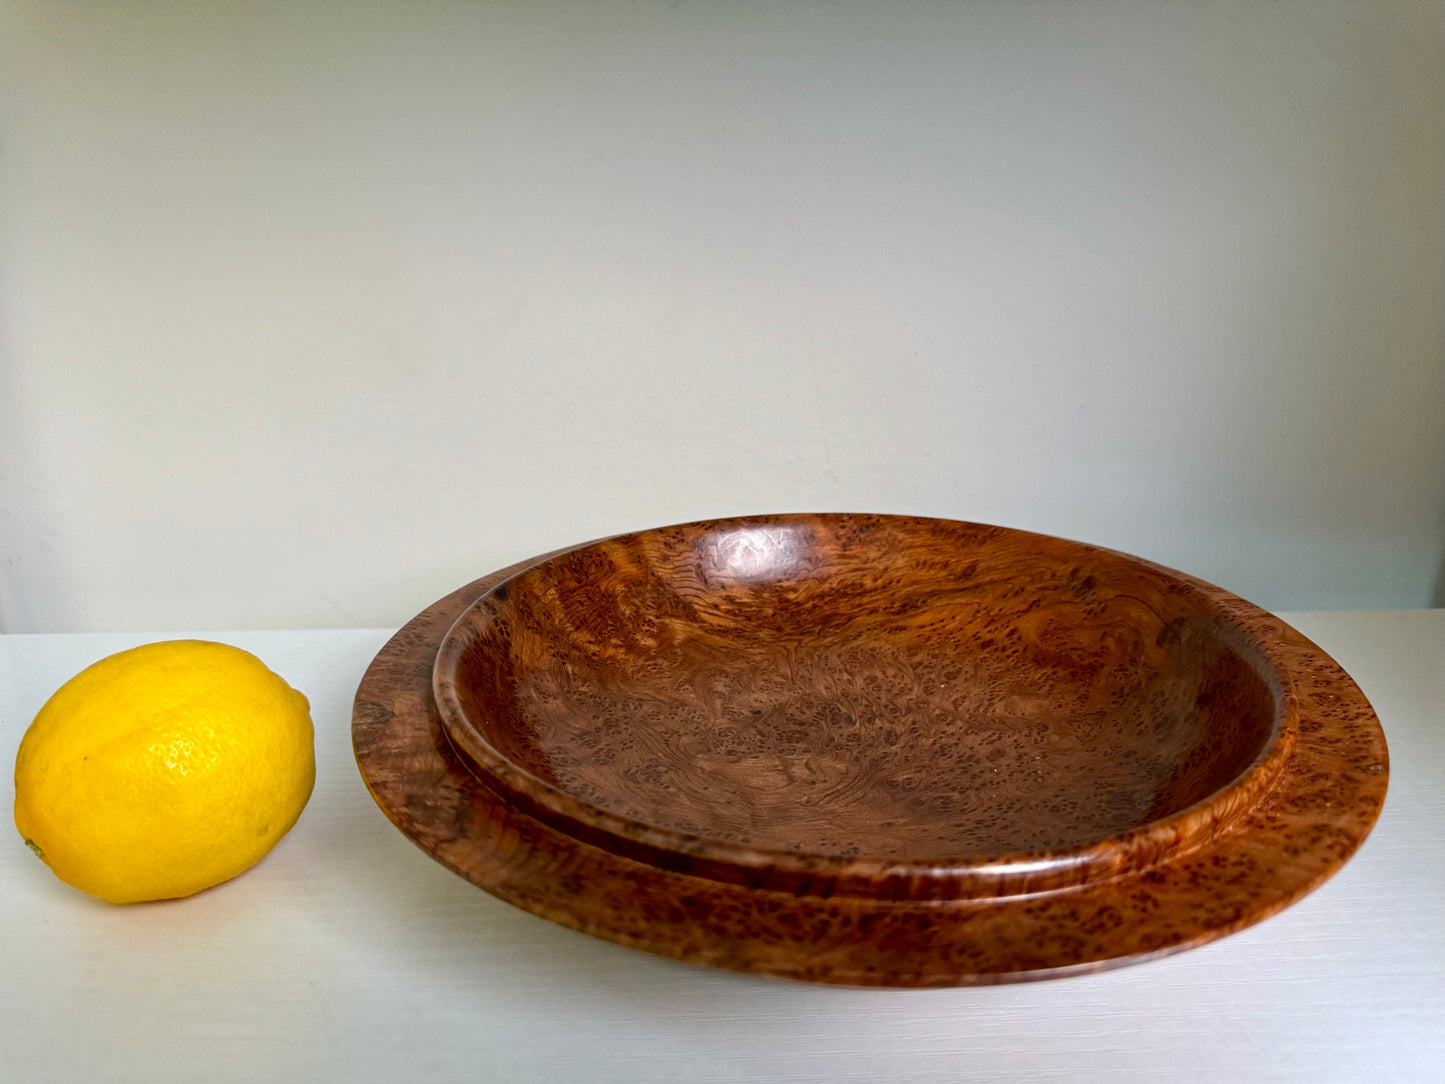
(164, 770)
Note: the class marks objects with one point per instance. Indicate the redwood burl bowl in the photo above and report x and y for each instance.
(871, 749)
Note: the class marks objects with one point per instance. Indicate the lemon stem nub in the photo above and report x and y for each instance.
(36, 848)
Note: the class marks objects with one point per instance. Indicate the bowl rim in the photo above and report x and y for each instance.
(900, 878)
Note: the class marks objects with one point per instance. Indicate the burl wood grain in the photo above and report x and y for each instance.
(871, 750)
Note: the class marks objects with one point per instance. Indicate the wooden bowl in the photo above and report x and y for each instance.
(871, 749)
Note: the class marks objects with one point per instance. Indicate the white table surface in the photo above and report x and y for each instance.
(349, 955)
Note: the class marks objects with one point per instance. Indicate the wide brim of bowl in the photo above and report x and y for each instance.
(1319, 810)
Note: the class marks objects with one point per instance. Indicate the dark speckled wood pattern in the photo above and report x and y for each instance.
(871, 750)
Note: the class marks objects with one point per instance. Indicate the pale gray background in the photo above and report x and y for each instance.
(312, 312)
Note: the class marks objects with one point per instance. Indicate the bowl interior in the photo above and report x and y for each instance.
(865, 686)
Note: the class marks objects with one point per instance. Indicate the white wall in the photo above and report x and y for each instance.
(309, 313)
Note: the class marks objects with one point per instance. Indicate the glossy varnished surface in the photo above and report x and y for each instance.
(857, 749)
(849, 695)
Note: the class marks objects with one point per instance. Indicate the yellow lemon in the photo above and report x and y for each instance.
(164, 770)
